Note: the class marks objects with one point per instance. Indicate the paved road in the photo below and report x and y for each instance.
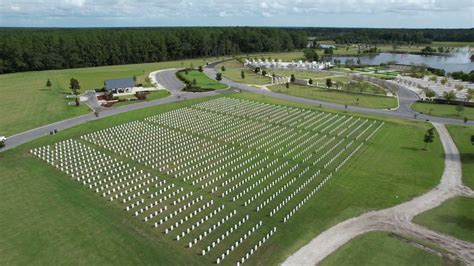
(406, 98)
(167, 78)
(398, 219)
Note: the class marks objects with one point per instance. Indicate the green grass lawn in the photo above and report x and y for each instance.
(443, 110)
(27, 102)
(301, 74)
(341, 97)
(454, 217)
(202, 80)
(380, 248)
(288, 56)
(49, 218)
(233, 70)
(454, 44)
(462, 138)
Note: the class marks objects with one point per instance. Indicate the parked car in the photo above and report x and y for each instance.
(2, 141)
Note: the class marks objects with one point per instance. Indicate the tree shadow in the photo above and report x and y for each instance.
(411, 148)
(462, 221)
(467, 157)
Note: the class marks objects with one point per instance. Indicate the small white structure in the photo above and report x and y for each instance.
(287, 65)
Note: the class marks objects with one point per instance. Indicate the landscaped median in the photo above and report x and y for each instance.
(445, 110)
(234, 70)
(196, 81)
(337, 96)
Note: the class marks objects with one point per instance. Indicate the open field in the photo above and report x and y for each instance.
(454, 44)
(341, 97)
(454, 217)
(58, 202)
(462, 138)
(233, 72)
(300, 74)
(202, 80)
(380, 248)
(444, 110)
(27, 102)
(288, 56)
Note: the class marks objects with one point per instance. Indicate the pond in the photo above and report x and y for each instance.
(459, 61)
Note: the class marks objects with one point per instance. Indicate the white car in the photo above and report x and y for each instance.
(3, 138)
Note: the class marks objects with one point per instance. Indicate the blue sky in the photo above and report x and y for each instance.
(313, 13)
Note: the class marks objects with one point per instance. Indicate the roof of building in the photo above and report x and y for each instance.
(112, 84)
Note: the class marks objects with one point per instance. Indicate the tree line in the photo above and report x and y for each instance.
(390, 36)
(42, 49)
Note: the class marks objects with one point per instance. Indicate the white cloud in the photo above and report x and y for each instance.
(224, 14)
(242, 12)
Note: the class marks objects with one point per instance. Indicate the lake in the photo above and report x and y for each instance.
(457, 62)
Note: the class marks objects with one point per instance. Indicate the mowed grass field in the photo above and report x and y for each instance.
(302, 74)
(202, 80)
(444, 110)
(233, 71)
(27, 102)
(454, 217)
(335, 96)
(47, 218)
(380, 248)
(462, 138)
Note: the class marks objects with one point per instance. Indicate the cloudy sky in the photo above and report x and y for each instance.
(317, 13)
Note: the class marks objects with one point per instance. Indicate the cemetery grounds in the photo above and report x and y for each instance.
(236, 179)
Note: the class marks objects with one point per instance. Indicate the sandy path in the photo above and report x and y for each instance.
(397, 219)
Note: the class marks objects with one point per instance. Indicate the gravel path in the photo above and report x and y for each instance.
(398, 219)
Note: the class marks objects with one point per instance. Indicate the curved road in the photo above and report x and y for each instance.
(406, 99)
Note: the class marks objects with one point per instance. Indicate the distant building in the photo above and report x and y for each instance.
(327, 46)
(119, 85)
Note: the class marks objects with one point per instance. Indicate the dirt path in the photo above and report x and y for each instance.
(398, 219)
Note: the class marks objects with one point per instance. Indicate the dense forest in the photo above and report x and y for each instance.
(23, 49)
(390, 36)
(41, 49)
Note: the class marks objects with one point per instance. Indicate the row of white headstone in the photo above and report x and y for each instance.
(294, 193)
(65, 154)
(273, 183)
(239, 242)
(210, 229)
(306, 198)
(256, 246)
